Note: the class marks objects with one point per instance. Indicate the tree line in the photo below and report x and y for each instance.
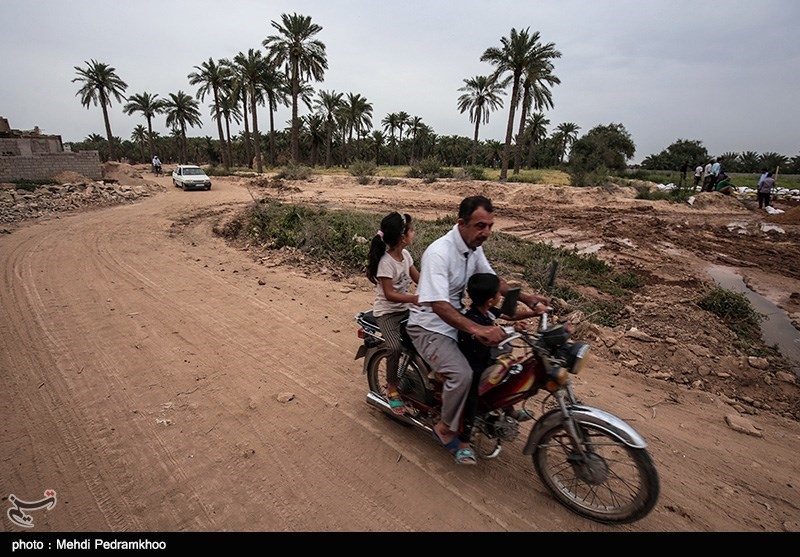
(338, 128)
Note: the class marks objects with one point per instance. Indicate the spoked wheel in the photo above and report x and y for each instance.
(611, 483)
(409, 376)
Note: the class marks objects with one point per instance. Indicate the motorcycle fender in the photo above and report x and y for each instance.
(585, 415)
(361, 352)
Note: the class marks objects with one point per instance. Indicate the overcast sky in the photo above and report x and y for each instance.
(722, 72)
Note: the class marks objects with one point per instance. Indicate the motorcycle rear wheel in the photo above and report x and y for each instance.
(410, 382)
(615, 484)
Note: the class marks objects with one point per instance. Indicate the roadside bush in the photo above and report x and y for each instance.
(428, 169)
(475, 172)
(582, 178)
(737, 313)
(294, 172)
(363, 171)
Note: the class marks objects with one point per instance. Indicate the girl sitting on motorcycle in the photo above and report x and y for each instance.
(391, 269)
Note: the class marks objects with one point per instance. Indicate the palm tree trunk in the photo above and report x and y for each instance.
(256, 138)
(328, 141)
(520, 133)
(272, 147)
(222, 150)
(246, 130)
(150, 136)
(228, 139)
(530, 152)
(475, 139)
(509, 130)
(295, 120)
(112, 155)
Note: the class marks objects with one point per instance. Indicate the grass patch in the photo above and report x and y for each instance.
(735, 310)
(340, 240)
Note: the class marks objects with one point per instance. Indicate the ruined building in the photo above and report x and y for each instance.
(31, 155)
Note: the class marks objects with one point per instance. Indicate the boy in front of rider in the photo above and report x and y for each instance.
(484, 294)
(391, 269)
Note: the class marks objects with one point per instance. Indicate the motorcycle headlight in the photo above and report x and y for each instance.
(574, 356)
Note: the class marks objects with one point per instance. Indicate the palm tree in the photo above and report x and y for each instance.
(538, 78)
(251, 70)
(182, 110)
(276, 91)
(402, 121)
(214, 78)
(536, 133)
(100, 83)
(229, 110)
(149, 105)
(390, 123)
(481, 96)
(139, 135)
(415, 129)
(328, 105)
(569, 134)
(356, 114)
(239, 92)
(315, 124)
(514, 56)
(379, 139)
(304, 58)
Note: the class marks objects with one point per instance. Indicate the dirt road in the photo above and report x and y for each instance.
(158, 379)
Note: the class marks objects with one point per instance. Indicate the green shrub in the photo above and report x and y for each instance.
(475, 172)
(295, 172)
(363, 171)
(429, 169)
(737, 313)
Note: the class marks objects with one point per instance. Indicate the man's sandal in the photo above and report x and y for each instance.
(463, 456)
(396, 403)
(466, 456)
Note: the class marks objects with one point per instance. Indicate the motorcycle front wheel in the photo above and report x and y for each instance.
(610, 482)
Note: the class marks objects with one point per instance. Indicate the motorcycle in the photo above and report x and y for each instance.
(591, 461)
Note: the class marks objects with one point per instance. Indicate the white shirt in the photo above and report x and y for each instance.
(400, 273)
(698, 171)
(447, 264)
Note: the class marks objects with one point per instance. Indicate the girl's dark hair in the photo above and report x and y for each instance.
(393, 226)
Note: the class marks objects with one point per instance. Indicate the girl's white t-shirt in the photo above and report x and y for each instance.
(400, 273)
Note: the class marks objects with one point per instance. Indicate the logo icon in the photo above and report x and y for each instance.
(17, 513)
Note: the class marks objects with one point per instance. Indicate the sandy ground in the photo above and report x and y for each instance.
(159, 379)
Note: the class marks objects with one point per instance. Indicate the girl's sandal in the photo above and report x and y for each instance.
(396, 403)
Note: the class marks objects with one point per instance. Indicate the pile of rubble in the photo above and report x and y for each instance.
(19, 204)
(73, 193)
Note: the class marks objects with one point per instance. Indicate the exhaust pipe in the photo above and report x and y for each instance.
(382, 404)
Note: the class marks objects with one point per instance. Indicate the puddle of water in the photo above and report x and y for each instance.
(776, 328)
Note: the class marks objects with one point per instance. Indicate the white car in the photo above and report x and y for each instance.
(190, 177)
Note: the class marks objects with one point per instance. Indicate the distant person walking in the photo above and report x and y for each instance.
(698, 175)
(716, 172)
(707, 177)
(761, 178)
(765, 190)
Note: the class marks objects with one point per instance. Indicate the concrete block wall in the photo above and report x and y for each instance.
(48, 165)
